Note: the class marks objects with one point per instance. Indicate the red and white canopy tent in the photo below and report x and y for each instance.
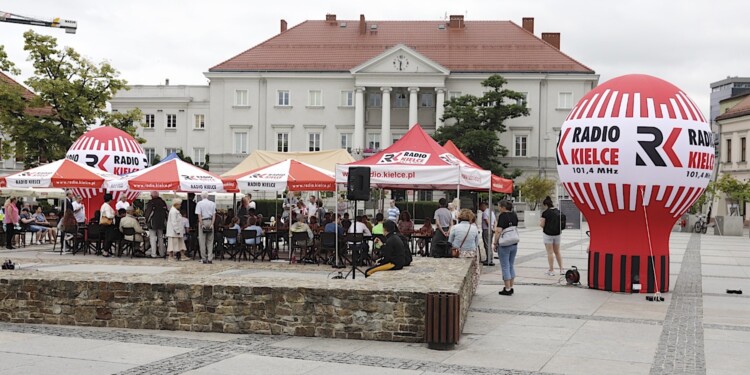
(174, 175)
(63, 173)
(499, 184)
(289, 175)
(417, 162)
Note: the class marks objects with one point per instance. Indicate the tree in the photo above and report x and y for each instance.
(735, 190)
(74, 89)
(479, 120)
(535, 189)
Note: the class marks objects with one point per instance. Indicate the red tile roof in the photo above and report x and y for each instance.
(742, 108)
(27, 95)
(480, 46)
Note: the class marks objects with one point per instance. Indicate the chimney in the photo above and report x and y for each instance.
(456, 22)
(283, 26)
(552, 38)
(528, 24)
(330, 18)
(166, 82)
(362, 25)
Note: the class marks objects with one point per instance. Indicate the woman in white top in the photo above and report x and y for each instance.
(175, 231)
(107, 221)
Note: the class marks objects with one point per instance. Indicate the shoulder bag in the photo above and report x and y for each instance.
(509, 237)
(456, 251)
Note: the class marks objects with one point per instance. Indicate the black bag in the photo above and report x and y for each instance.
(441, 249)
(563, 221)
(407, 252)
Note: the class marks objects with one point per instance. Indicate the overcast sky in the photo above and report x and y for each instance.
(689, 43)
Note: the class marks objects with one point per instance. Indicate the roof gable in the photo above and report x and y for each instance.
(480, 46)
(28, 96)
(742, 108)
(400, 59)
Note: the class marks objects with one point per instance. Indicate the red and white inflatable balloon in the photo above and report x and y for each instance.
(634, 154)
(109, 149)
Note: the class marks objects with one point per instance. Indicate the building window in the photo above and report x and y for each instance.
(374, 100)
(241, 98)
(314, 98)
(400, 100)
(373, 142)
(454, 95)
(395, 137)
(150, 153)
(282, 142)
(313, 142)
(729, 150)
(171, 121)
(347, 98)
(283, 99)
(427, 100)
(169, 151)
(150, 121)
(743, 149)
(200, 121)
(565, 100)
(199, 155)
(520, 149)
(240, 143)
(523, 101)
(424, 195)
(346, 142)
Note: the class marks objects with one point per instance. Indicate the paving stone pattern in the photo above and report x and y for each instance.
(680, 349)
(540, 314)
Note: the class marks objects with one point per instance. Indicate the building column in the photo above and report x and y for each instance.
(385, 127)
(439, 106)
(359, 119)
(413, 106)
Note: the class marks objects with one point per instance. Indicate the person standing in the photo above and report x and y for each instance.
(10, 220)
(551, 230)
(107, 221)
(443, 222)
(79, 210)
(507, 254)
(393, 211)
(206, 211)
(122, 203)
(175, 231)
(156, 219)
(488, 220)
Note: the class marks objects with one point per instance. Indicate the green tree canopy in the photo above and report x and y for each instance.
(74, 91)
(535, 189)
(479, 121)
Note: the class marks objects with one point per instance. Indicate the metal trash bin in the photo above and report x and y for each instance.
(442, 323)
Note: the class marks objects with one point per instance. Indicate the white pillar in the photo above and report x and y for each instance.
(359, 119)
(413, 106)
(439, 107)
(385, 127)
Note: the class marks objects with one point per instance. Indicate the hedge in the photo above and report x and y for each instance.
(419, 210)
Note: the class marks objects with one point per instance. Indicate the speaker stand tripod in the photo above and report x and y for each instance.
(356, 250)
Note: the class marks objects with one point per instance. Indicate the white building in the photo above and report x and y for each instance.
(360, 85)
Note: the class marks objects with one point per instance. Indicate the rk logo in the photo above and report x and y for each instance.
(650, 147)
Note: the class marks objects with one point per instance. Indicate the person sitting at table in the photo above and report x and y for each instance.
(314, 226)
(405, 225)
(300, 227)
(234, 224)
(366, 220)
(359, 226)
(41, 220)
(333, 227)
(377, 228)
(392, 251)
(130, 221)
(345, 222)
(426, 230)
(252, 224)
(29, 223)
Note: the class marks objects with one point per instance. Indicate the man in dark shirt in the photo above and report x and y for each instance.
(392, 252)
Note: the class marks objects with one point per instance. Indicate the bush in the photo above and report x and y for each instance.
(266, 207)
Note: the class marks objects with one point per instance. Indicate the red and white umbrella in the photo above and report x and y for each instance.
(63, 173)
(174, 175)
(289, 175)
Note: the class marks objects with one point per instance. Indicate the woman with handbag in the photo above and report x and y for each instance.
(506, 240)
(464, 240)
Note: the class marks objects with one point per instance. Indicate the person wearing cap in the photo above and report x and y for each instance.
(175, 231)
(129, 221)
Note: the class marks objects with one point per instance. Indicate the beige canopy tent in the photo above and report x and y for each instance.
(322, 159)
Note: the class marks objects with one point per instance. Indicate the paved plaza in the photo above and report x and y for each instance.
(546, 327)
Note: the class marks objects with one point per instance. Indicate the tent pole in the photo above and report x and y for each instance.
(458, 189)
(335, 220)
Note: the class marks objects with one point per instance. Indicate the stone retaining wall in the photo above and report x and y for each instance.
(349, 312)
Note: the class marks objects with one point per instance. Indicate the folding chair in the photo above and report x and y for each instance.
(249, 249)
(229, 248)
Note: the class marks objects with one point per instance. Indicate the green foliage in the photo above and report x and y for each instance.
(479, 121)
(423, 209)
(706, 197)
(156, 159)
(735, 190)
(127, 122)
(535, 189)
(266, 207)
(73, 89)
